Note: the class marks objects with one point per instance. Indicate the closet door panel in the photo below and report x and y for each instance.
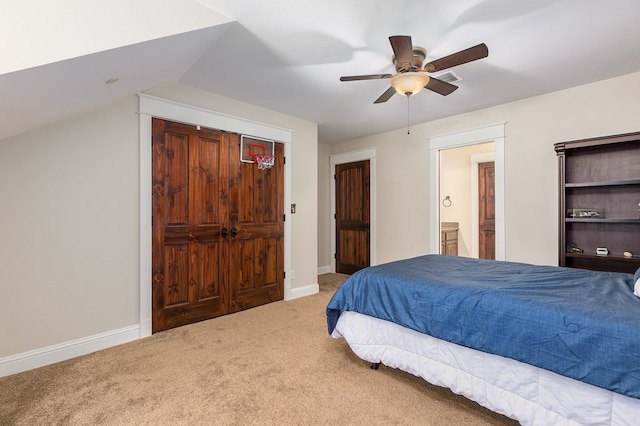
(190, 254)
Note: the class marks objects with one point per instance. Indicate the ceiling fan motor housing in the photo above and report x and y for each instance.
(419, 55)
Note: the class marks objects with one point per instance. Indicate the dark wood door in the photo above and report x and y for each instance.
(199, 262)
(190, 169)
(352, 216)
(256, 222)
(487, 210)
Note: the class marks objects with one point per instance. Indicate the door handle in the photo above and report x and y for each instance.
(234, 232)
(224, 232)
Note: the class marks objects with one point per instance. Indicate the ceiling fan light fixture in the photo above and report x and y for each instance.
(409, 83)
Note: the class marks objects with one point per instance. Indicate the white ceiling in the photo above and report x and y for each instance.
(288, 55)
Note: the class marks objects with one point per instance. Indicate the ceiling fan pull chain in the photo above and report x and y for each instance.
(408, 118)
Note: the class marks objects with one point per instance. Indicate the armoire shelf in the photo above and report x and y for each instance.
(605, 183)
(595, 220)
(618, 258)
(600, 174)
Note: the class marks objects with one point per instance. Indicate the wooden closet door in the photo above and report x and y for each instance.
(218, 226)
(256, 239)
(190, 172)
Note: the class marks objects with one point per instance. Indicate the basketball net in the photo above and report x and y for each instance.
(264, 161)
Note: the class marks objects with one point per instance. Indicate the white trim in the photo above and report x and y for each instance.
(468, 137)
(307, 290)
(183, 113)
(350, 157)
(51, 354)
(490, 133)
(288, 267)
(324, 269)
(145, 225)
(151, 106)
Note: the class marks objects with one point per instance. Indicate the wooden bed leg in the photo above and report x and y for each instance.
(375, 365)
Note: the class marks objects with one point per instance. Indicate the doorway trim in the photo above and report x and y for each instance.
(350, 157)
(155, 107)
(490, 133)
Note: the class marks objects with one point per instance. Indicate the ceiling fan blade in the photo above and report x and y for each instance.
(440, 86)
(385, 96)
(403, 50)
(364, 77)
(471, 54)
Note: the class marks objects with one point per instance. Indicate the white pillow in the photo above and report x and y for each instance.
(636, 287)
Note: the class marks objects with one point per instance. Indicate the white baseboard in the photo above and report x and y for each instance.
(63, 351)
(324, 269)
(306, 290)
(51, 354)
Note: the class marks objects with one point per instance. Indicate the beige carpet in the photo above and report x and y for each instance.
(274, 364)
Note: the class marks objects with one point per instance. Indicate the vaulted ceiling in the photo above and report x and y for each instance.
(288, 55)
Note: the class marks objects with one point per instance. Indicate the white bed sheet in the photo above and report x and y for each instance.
(529, 394)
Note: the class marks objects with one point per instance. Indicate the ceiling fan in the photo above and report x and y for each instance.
(411, 77)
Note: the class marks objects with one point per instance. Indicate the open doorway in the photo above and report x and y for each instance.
(494, 134)
(467, 202)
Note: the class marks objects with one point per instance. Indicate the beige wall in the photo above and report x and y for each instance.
(69, 229)
(533, 126)
(69, 220)
(402, 214)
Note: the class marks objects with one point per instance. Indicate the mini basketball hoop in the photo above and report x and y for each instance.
(264, 161)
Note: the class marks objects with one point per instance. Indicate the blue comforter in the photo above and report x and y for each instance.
(578, 323)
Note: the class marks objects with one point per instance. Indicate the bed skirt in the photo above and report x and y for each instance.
(528, 394)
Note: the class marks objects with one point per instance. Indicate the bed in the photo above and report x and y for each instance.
(540, 344)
